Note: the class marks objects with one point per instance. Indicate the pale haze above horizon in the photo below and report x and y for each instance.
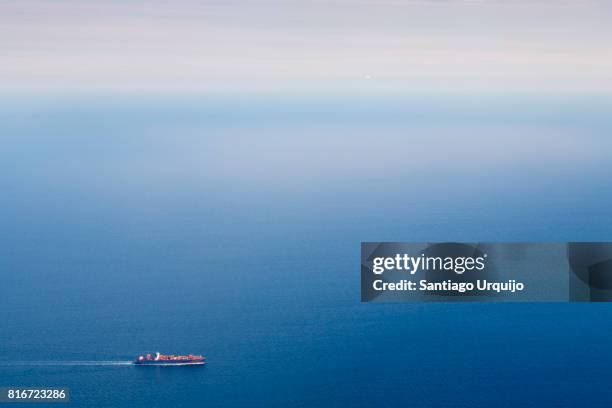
(306, 46)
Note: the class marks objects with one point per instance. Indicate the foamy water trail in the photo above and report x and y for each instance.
(64, 363)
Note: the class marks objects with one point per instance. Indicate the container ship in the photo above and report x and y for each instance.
(169, 360)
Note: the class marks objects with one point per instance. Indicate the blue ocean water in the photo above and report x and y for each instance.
(231, 227)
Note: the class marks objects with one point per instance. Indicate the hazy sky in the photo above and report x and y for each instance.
(332, 46)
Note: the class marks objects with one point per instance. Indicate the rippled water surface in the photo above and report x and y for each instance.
(231, 228)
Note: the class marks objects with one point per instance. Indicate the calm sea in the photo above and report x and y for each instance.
(230, 226)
